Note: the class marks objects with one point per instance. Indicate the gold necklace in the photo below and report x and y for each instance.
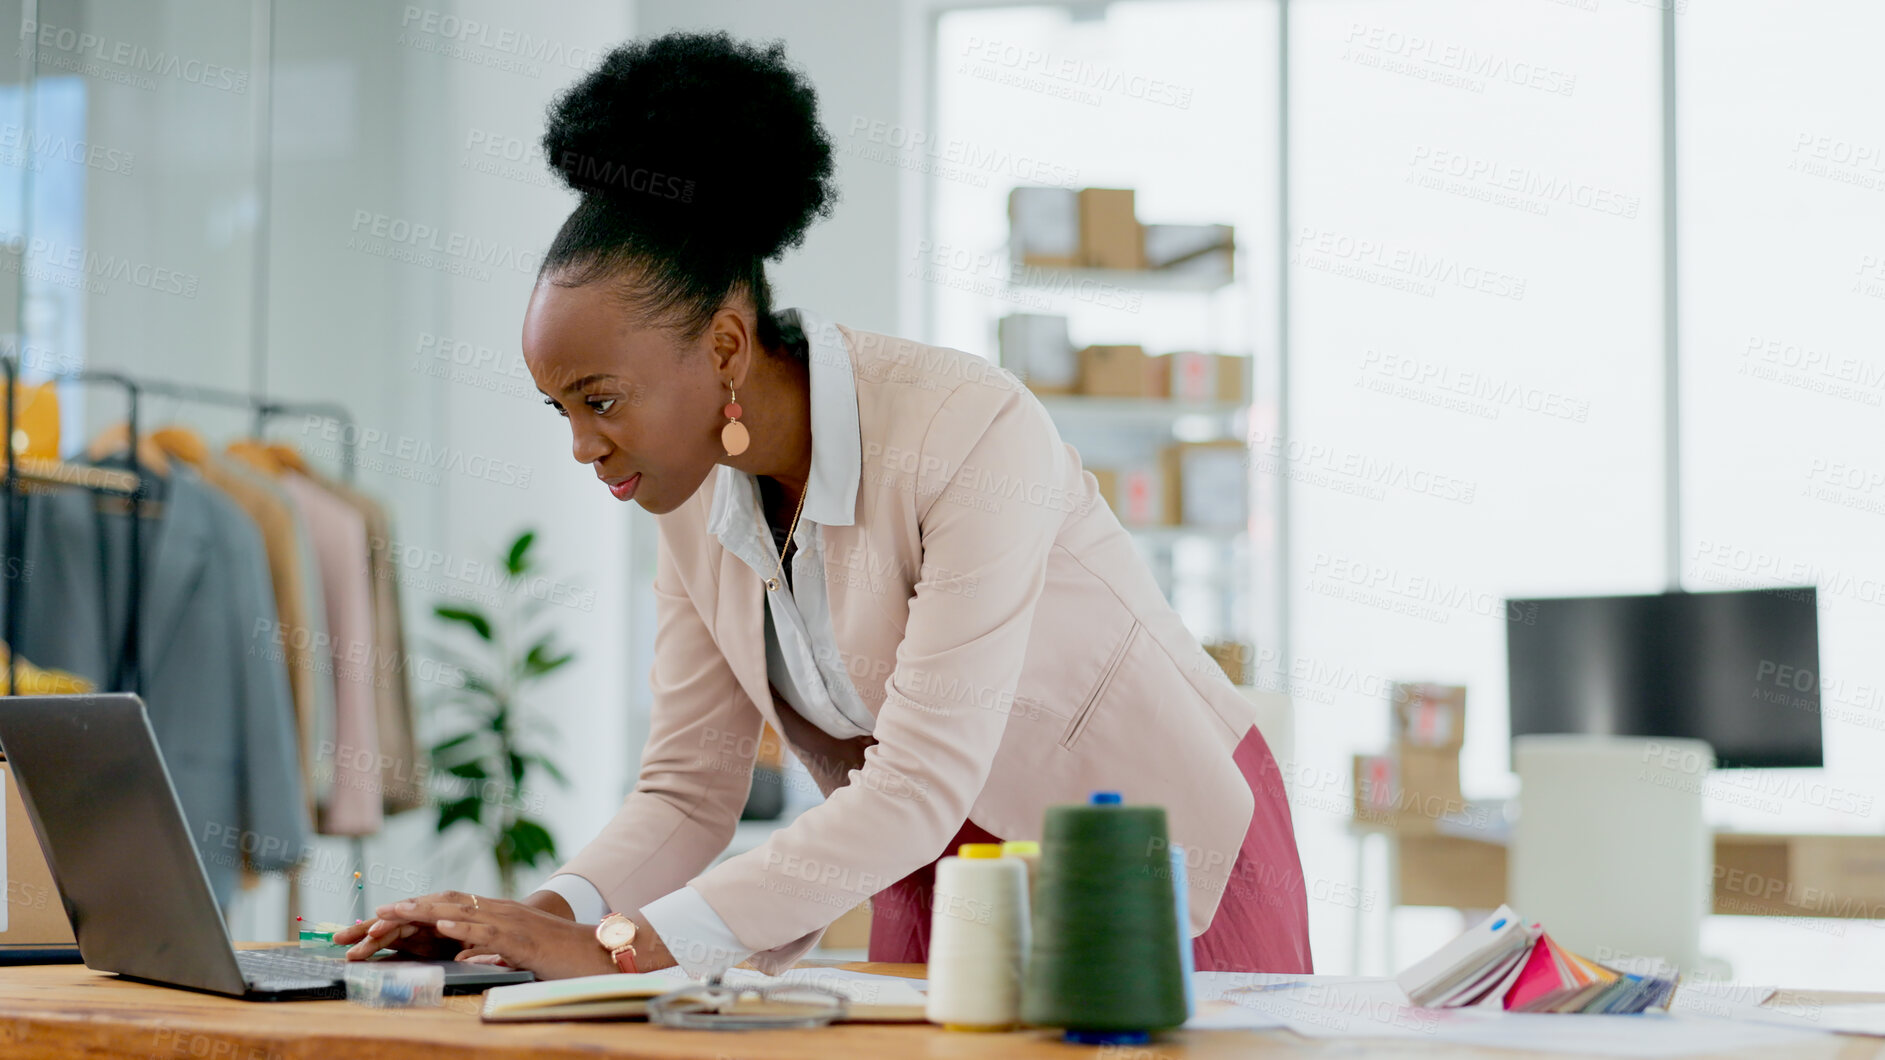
(772, 583)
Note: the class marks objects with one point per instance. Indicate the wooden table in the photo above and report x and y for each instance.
(67, 1011)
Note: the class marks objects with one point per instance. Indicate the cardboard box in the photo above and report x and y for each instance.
(851, 931)
(1107, 484)
(1377, 780)
(1839, 875)
(1428, 715)
(1191, 376)
(1800, 875)
(1035, 347)
(1141, 500)
(1206, 484)
(1044, 227)
(1754, 876)
(1428, 786)
(1109, 233)
(1115, 371)
(1237, 658)
(1200, 250)
(34, 911)
(1451, 871)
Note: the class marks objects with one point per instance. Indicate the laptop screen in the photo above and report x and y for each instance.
(108, 818)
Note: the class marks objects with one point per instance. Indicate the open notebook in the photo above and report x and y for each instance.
(871, 999)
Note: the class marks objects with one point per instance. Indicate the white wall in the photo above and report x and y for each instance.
(850, 266)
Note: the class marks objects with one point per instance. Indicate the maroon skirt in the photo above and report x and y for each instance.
(1261, 924)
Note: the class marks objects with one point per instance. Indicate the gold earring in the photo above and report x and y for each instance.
(733, 436)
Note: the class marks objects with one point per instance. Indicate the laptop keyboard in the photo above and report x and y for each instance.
(287, 969)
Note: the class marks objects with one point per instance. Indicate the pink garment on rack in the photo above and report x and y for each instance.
(340, 549)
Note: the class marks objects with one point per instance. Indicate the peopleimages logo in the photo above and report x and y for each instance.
(1476, 67)
(360, 444)
(16, 144)
(449, 28)
(456, 245)
(969, 155)
(66, 48)
(1402, 268)
(78, 266)
(1021, 61)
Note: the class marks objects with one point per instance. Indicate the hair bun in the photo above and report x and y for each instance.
(697, 140)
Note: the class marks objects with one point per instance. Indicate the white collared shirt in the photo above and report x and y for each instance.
(802, 657)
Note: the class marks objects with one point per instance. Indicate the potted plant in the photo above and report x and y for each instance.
(487, 758)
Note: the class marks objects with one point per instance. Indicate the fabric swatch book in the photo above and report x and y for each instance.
(1505, 962)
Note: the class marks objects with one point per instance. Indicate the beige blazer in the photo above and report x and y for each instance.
(1013, 647)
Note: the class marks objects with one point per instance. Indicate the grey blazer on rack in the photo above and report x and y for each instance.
(213, 675)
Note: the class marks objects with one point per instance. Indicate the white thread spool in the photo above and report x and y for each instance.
(978, 939)
(1028, 852)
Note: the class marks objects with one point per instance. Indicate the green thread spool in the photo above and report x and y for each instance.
(1104, 963)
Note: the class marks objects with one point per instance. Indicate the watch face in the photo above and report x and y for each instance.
(615, 932)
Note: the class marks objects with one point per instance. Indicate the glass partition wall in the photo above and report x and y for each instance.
(1457, 285)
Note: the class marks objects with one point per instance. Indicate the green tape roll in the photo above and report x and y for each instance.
(1105, 930)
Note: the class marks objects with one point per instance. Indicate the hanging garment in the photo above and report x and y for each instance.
(402, 770)
(340, 543)
(291, 640)
(252, 464)
(221, 713)
(36, 420)
(36, 682)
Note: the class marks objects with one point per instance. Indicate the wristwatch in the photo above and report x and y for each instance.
(616, 933)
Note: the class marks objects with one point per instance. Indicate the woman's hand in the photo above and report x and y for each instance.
(398, 933)
(521, 934)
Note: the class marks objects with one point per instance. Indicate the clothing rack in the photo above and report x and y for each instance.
(133, 484)
(127, 484)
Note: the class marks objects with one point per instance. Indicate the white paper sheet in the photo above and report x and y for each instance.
(1848, 1019)
(1214, 986)
(1346, 1007)
(1807, 1014)
(1703, 997)
(1647, 1035)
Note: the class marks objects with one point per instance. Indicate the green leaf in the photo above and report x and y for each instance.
(540, 661)
(517, 766)
(478, 623)
(472, 770)
(519, 559)
(548, 767)
(445, 747)
(470, 809)
(480, 684)
(526, 842)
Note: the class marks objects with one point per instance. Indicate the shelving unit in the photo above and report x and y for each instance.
(1205, 571)
(1055, 278)
(1104, 412)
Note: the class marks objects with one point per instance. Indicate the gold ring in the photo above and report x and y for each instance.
(474, 903)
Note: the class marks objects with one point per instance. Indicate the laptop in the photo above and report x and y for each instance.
(107, 816)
